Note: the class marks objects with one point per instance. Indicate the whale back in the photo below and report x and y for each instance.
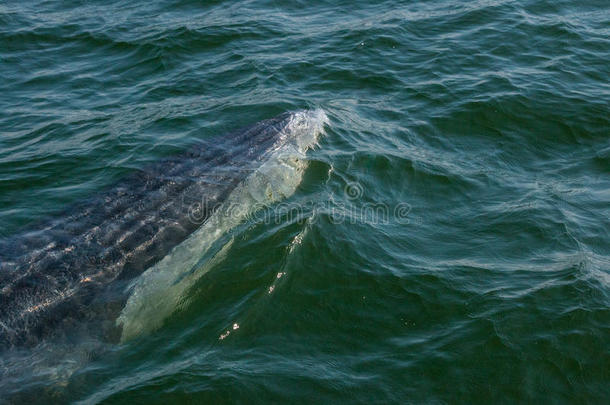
(53, 273)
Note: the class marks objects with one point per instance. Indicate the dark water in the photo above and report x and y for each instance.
(486, 122)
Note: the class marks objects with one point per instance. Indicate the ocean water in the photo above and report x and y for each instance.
(447, 241)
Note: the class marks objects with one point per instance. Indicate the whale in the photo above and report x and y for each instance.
(106, 261)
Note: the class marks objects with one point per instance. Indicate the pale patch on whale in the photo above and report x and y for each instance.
(160, 290)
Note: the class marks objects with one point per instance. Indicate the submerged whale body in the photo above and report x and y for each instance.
(61, 273)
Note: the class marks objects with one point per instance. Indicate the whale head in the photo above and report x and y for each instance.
(302, 129)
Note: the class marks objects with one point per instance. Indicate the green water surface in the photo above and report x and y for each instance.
(488, 122)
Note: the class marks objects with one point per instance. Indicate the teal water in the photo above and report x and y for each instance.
(487, 123)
